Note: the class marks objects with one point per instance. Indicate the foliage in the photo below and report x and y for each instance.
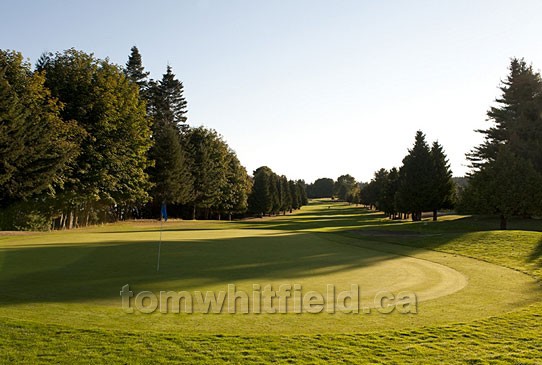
(516, 119)
(321, 188)
(507, 166)
(343, 187)
(135, 71)
(110, 169)
(507, 186)
(167, 101)
(272, 193)
(171, 175)
(36, 146)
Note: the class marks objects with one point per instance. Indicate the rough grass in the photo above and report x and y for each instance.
(34, 330)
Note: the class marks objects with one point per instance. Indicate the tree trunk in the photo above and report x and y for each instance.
(194, 213)
(503, 222)
(70, 220)
(434, 215)
(229, 216)
(218, 216)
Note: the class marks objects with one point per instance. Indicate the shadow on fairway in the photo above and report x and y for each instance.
(536, 255)
(98, 271)
(91, 271)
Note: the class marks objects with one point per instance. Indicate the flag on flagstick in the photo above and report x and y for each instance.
(163, 212)
(163, 217)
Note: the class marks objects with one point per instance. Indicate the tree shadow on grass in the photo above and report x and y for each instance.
(72, 273)
(536, 254)
(60, 272)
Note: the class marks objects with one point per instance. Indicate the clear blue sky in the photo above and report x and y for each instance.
(309, 88)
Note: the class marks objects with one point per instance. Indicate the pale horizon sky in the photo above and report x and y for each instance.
(309, 88)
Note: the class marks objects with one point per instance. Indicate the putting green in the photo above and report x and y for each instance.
(74, 278)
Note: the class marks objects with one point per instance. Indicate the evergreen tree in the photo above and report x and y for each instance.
(443, 187)
(416, 179)
(294, 195)
(389, 192)
(285, 195)
(507, 185)
(508, 164)
(260, 200)
(170, 175)
(135, 71)
(302, 189)
(368, 194)
(274, 188)
(168, 104)
(380, 182)
(517, 120)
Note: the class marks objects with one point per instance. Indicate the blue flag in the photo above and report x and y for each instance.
(163, 211)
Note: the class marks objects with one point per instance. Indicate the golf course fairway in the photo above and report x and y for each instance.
(71, 281)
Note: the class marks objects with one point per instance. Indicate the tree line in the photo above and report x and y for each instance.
(272, 194)
(345, 188)
(84, 141)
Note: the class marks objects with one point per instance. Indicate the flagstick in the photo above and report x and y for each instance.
(159, 247)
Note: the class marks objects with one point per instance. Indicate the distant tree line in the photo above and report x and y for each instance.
(506, 176)
(84, 141)
(345, 188)
(273, 194)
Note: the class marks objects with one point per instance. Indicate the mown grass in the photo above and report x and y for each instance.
(514, 336)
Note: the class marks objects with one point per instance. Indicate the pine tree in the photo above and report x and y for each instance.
(168, 104)
(508, 164)
(302, 190)
(274, 189)
(170, 174)
(135, 71)
(416, 180)
(507, 185)
(286, 198)
(389, 192)
(443, 187)
(294, 195)
(517, 120)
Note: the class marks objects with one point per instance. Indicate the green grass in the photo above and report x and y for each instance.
(478, 290)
